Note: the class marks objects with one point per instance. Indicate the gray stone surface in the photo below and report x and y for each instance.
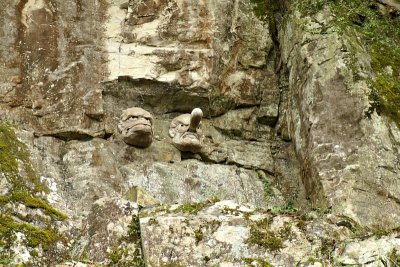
(326, 120)
(228, 234)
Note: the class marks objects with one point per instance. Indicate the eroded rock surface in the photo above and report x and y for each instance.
(228, 234)
(329, 122)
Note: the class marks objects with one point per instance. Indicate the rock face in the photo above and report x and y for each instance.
(228, 234)
(298, 163)
(350, 159)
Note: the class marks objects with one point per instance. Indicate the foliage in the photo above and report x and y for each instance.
(198, 235)
(379, 29)
(260, 8)
(257, 262)
(267, 186)
(24, 186)
(121, 256)
(287, 208)
(261, 235)
(35, 236)
(195, 207)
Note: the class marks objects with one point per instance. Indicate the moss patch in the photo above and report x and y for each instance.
(394, 257)
(23, 187)
(257, 262)
(121, 256)
(267, 186)
(379, 29)
(15, 165)
(198, 235)
(261, 235)
(260, 8)
(195, 207)
(35, 236)
(191, 208)
(14, 158)
(33, 202)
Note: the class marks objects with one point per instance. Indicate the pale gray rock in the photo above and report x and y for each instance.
(230, 234)
(248, 154)
(106, 225)
(238, 123)
(326, 120)
(194, 181)
(370, 252)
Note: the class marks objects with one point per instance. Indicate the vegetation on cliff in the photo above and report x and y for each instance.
(379, 27)
(22, 188)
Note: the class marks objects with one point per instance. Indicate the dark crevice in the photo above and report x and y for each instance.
(68, 136)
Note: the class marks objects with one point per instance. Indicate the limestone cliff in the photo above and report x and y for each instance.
(300, 162)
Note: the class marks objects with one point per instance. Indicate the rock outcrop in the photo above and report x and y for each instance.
(349, 152)
(299, 158)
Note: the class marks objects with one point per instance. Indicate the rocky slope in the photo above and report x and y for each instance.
(300, 163)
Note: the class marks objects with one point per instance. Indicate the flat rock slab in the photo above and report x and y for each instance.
(194, 181)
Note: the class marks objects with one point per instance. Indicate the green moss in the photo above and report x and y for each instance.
(380, 232)
(134, 229)
(287, 208)
(35, 236)
(198, 235)
(257, 262)
(116, 255)
(190, 207)
(121, 256)
(301, 224)
(24, 186)
(262, 236)
(268, 190)
(5, 261)
(380, 33)
(206, 258)
(386, 97)
(327, 247)
(286, 231)
(260, 8)
(34, 253)
(33, 202)
(394, 258)
(14, 156)
(194, 208)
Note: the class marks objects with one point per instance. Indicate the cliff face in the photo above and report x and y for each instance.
(348, 146)
(300, 157)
